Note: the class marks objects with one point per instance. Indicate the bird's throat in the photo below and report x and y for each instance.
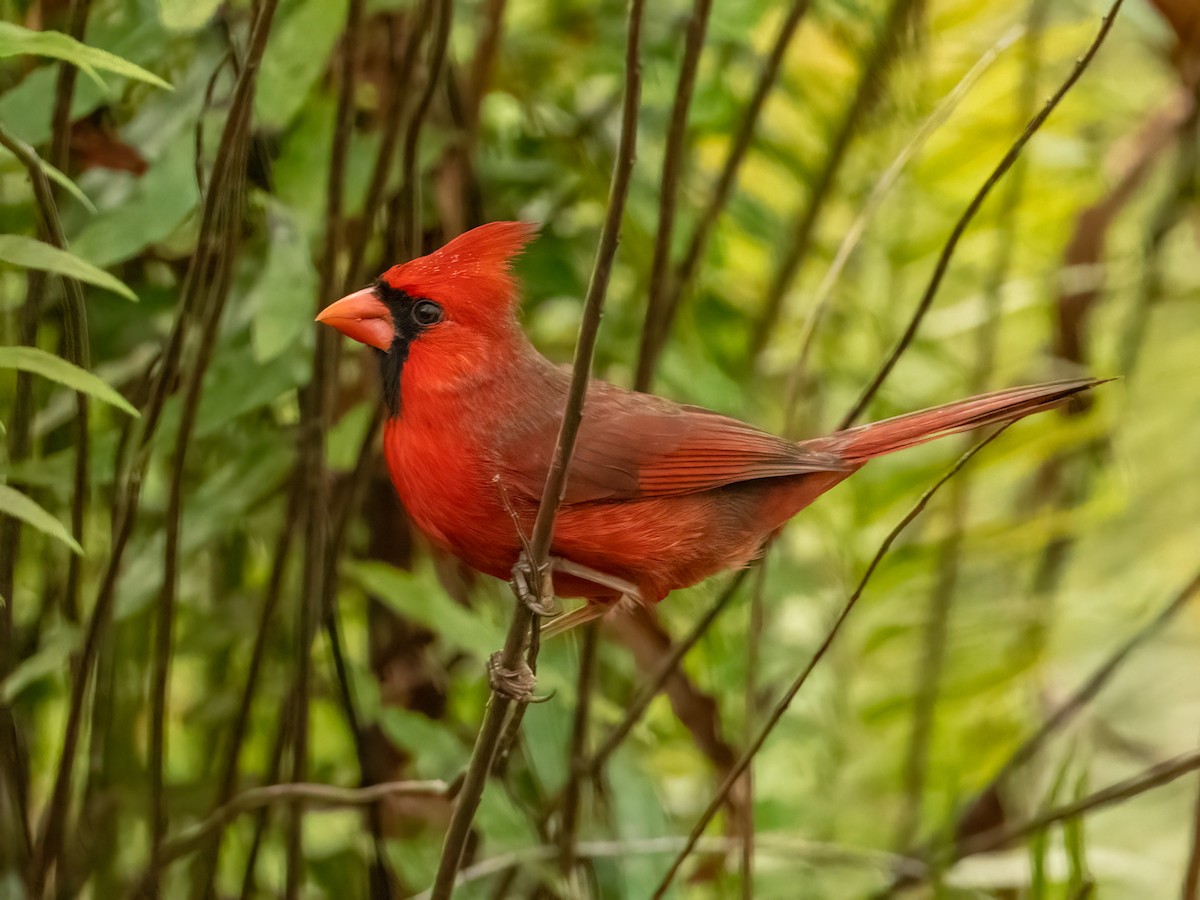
(391, 366)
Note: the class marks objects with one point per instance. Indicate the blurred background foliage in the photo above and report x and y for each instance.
(1025, 574)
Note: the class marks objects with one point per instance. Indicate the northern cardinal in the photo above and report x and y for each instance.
(659, 495)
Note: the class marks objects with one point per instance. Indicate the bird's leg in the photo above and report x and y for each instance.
(523, 582)
(620, 585)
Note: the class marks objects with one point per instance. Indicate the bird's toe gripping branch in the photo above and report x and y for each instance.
(524, 579)
(513, 684)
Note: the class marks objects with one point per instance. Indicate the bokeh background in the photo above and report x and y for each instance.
(250, 606)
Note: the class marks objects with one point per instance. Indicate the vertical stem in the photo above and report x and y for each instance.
(316, 405)
(657, 324)
(577, 759)
(869, 82)
(753, 654)
(490, 731)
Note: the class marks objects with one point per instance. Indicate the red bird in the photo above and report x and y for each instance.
(659, 496)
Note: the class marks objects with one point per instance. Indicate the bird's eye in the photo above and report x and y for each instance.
(426, 313)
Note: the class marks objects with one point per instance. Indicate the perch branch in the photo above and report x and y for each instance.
(543, 529)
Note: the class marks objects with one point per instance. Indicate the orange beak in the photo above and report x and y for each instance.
(362, 316)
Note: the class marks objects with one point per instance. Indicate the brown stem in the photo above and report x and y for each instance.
(206, 864)
(686, 270)
(577, 753)
(657, 322)
(315, 417)
(1153, 777)
(410, 184)
(869, 82)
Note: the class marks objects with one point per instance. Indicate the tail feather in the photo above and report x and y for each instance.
(857, 445)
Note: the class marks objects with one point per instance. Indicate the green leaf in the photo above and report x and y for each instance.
(39, 362)
(418, 596)
(50, 659)
(158, 203)
(19, 250)
(62, 181)
(19, 506)
(282, 296)
(297, 56)
(15, 41)
(186, 15)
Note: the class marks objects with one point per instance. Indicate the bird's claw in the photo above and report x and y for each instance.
(524, 580)
(513, 684)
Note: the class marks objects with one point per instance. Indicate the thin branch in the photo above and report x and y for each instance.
(783, 703)
(1082, 696)
(215, 285)
(227, 783)
(1191, 877)
(480, 69)
(410, 183)
(317, 401)
(16, 764)
(853, 237)
(750, 712)
(60, 144)
(870, 81)
(960, 227)
(523, 618)
(577, 753)
(283, 729)
(657, 323)
(814, 852)
(686, 270)
(638, 706)
(393, 118)
(1156, 776)
(325, 796)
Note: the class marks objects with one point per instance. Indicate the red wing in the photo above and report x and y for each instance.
(633, 445)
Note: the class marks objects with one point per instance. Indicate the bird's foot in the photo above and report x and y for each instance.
(513, 684)
(524, 581)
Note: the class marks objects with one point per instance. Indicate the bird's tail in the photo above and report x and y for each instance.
(857, 445)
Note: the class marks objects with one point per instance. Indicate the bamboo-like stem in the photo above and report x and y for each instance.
(317, 401)
(52, 829)
(657, 324)
(410, 198)
(874, 70)
(685, 271)
(12, 753)
(577, 752)
(493, 722)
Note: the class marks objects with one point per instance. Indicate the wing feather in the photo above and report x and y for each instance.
(636, 445)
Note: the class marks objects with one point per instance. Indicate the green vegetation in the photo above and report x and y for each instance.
(208, 591)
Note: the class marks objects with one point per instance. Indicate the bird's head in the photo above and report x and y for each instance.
(447, 314)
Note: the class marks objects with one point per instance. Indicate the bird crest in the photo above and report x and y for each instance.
(472, 273)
